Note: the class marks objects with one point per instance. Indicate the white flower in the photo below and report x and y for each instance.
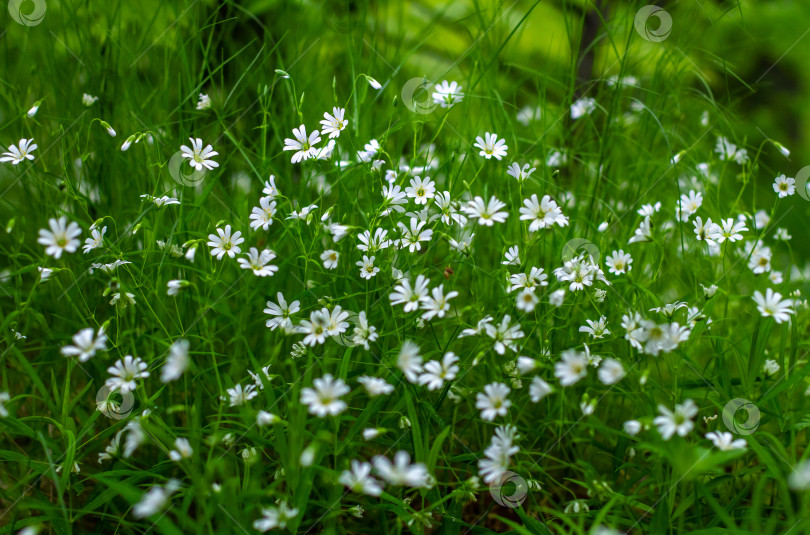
(504, 334)
(199, 157)
(409, 361)
(784, 186)
(542, 214)
(770, 367)
(512, 257)
(88, 100)
(314, 328)
(61, 238)
(176, 362)
(491, 146)
(539, 389)
(771, 304)
(160, 201)
(493, 401)
(649, 209)
(375, 386)
(799, 478)
(262, 215)
(16, 155)
(44, 273)
(729, 230)
(264, 418)
(725, 441)
(393, 197)
(124, 298)
(182, 450)
(410, 296)
(330, 259)
(528, 114)
(436, 373)
(303, 145)
(520, 173)
(373, 244)
(239, 396)
(336, 323)
(369, 151)
(34, 109)
(572, 367)
(619, 262)
(303, 214)
(86, 343)
(413, 236)
(611, 371)
(154, 500)
(526, 300)
(324, 398)
(373, 83)
(447, 94)
(174, 286)
(597, 329)
(421, 189)
(225, 243)
(401, 472)
(95, 241)
(275, 517)
(436, 304)
(259, 262)
(487, 214)
(688, 205)
(359, 479)
(632, 427)
(678, 421)
(643, 232)
(581, 107)
(526, 364)
(364, 333)
(281, 313)
(334, 124)
(728, 151)
(125, 372)
(367, 267)
(204, 102)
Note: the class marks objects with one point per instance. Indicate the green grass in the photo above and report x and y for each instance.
(148, 63)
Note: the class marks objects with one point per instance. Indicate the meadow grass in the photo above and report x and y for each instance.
(585, 439)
